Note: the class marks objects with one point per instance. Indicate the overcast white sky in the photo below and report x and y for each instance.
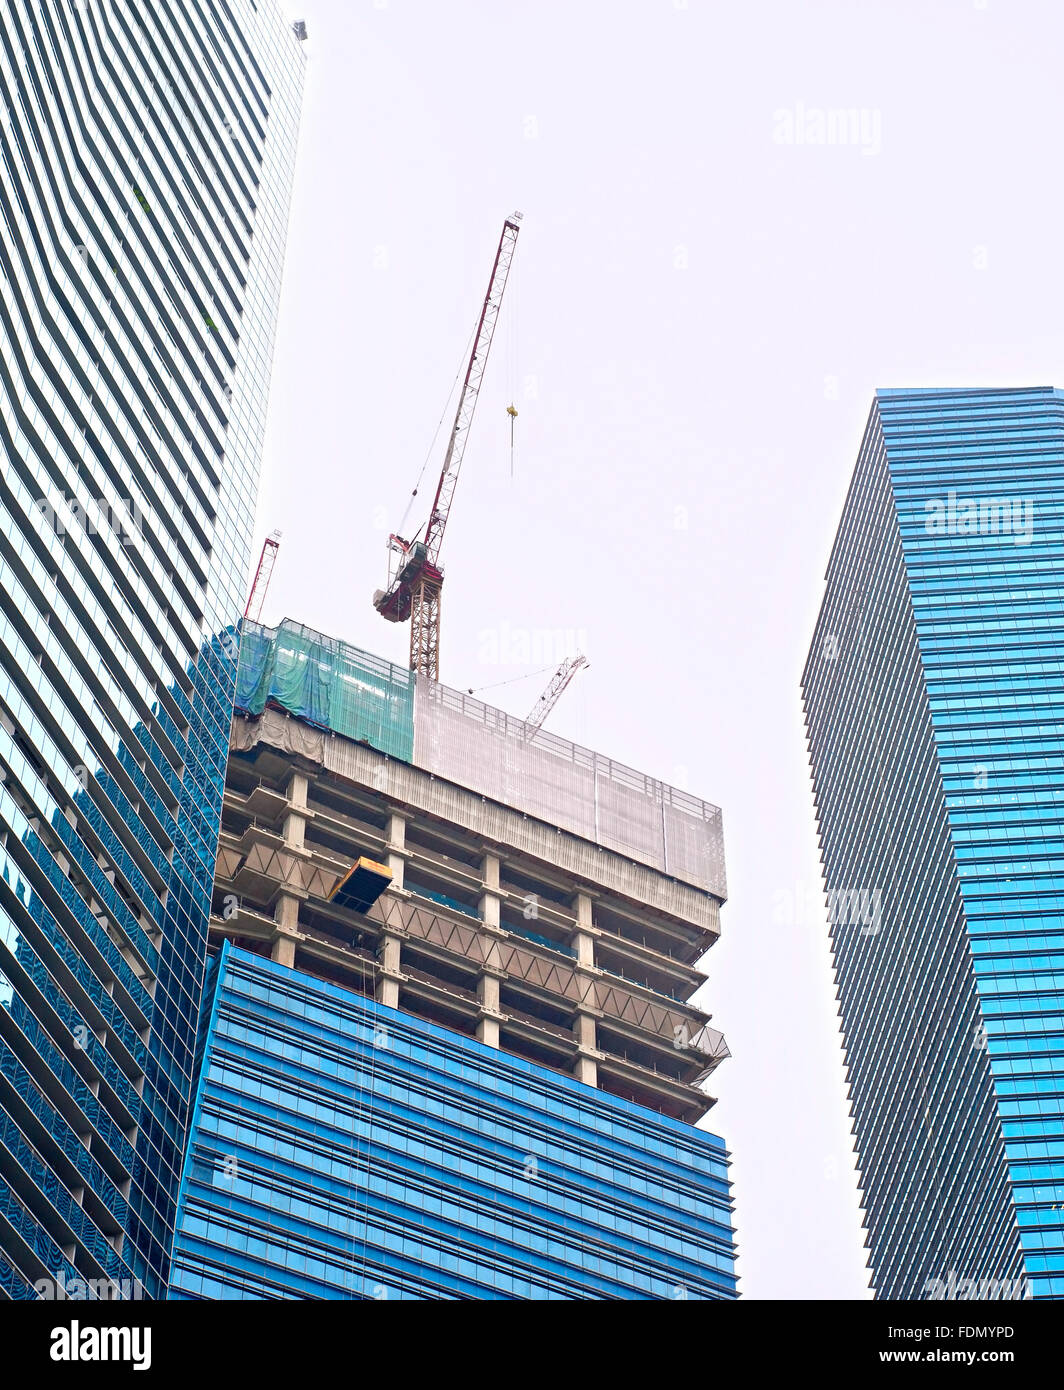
(710, 283)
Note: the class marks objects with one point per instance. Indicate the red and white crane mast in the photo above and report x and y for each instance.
(416, 580)
(263, 575)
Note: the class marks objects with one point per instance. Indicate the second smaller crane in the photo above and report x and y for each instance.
(554, 692)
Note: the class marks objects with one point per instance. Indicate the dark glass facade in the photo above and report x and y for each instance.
(341, 1149)
(934, 696)
(147, 154)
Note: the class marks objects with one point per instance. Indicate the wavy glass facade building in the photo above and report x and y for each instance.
(452, 1050)
(934, 698)
(146, 157)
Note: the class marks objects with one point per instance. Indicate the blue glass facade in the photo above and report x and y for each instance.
(341, 1149)
(147, 154)
(934, 695)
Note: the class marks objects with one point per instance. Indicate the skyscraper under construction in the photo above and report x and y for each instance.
(448, 1050)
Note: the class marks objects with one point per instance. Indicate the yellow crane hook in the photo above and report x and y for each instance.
(511, 410)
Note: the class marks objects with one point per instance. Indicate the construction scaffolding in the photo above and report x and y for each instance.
(337, 687)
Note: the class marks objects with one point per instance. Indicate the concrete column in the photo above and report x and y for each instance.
(584, 945)
(283, 945)
(490, 903)
(583, 941)
(395, 847)
(283, 951)
(295, 822)
(488, 995)
(298, 790)
(387, 992)
(286, 913)
(388, 956)
(585, 1068)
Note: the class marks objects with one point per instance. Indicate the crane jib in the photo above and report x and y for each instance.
(478, 362)
(416, 591)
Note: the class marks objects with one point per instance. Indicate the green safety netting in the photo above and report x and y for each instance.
(327, 683)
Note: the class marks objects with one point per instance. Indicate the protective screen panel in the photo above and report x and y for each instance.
(329, 684)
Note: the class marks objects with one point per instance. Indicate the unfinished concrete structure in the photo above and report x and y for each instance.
(496, 923)
(448, 1049)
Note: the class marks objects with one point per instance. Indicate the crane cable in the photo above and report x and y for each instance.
(463, 363)
(512, 681)
(512, 356)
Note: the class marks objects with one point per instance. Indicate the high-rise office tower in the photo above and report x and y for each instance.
(449, 1050)
(146, 157)
(934, 697)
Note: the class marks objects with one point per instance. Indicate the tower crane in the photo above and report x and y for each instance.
(263, 575)
(415, 580)
(553, 693)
